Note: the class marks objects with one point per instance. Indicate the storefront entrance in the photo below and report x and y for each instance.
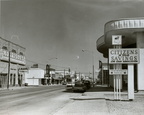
(3, 80)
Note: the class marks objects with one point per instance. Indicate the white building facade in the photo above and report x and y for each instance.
(34, 76)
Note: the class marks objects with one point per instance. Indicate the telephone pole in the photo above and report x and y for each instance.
(8, 67)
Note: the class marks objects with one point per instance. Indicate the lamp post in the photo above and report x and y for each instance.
(92, 62)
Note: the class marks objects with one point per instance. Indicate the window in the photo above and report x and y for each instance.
(21, 53)
(14, 51)
(4, 47)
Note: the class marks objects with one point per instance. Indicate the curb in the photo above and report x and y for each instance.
(87, 98)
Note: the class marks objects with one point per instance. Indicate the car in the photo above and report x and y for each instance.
(79, 86)
(87, 84)
(69, 86)
(64, 83)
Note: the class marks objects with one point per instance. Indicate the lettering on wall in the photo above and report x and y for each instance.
(4, 55)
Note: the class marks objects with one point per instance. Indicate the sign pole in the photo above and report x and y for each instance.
(116, 42)
(117, 88)
(114, 86)
(120, 87)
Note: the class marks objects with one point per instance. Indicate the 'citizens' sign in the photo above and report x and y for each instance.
(124, 56)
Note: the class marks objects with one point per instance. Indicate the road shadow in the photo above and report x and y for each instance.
(70, 91)
(100, 88)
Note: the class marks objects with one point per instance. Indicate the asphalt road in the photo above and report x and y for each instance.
(42, 100)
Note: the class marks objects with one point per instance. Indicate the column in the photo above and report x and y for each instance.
(16, 75)
(140, 66)
(130, 81)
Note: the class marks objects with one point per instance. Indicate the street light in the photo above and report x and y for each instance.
(92, 62)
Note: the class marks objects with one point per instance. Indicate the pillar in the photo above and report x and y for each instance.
(16, 75)
(140, 66)
(130, 81)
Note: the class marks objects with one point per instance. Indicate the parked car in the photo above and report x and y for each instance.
(69, 86)
(79, 86)
(64, 83)
(87, 84)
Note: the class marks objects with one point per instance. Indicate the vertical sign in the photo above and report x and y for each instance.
(116, 40)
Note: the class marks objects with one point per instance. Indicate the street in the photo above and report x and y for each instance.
(42, 100)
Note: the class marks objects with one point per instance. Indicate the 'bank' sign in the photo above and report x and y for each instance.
(124, 56)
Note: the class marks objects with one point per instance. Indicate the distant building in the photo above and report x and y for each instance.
(103, 74)
(14, 61)
(34, 76)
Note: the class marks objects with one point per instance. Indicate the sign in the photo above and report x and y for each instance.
(105, 68)
(23, 69)
(124, 56)
(16, 58)
(116, 39)
(118, 72)
(35, 66)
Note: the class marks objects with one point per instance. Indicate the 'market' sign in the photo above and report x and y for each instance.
(124, 56)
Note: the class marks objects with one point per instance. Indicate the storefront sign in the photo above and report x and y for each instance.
(118, 72)
(105, 68)
(23, 69)
(16, 58)
(124, 56)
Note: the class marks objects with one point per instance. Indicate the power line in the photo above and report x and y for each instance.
(44, 64)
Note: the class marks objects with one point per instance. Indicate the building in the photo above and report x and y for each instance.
(12, 57)
(62, 76)
(34, 76)
(131, 38)
(103, 76)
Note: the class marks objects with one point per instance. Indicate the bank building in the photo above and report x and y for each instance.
(12, 59)
(123, 45)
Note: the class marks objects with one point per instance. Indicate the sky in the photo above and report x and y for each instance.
(56, 31)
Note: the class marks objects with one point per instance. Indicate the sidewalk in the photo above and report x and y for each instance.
(91, 102)
(12, 88)
(99, 100)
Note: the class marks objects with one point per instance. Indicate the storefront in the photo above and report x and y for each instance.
(132, 37)
(11, 59)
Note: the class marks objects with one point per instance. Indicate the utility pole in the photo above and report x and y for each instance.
(8, 67)
(75, 76)
(93, 75)
(92, 62)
